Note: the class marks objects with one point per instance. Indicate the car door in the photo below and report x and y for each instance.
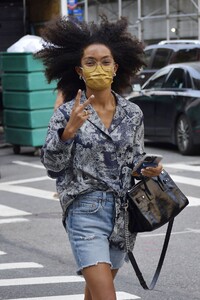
(168, 103)
(147, 105)
(148, 99)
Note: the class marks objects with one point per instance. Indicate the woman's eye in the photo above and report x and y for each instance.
(90, 63)
(106, 62)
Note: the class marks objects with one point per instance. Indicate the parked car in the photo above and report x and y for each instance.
(164, 53)
(170, 101)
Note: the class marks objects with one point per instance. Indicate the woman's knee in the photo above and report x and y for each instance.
(99, 279)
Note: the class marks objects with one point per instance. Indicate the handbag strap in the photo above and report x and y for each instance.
(161, 259)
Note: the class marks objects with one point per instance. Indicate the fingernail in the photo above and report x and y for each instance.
(92, 96)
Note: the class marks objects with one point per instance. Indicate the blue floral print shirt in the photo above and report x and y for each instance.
(97, 158)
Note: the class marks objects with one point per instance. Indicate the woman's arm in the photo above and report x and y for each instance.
(59, 100)
(56, 155)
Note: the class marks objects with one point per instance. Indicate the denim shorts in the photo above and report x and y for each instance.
(89, 223)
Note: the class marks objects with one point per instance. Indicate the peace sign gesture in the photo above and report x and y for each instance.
(78, 116)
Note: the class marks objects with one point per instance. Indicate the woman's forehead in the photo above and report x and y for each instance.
(96, 50)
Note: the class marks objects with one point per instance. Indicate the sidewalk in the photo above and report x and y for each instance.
(2, 138)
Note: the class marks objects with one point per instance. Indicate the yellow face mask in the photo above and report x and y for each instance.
(99, 79)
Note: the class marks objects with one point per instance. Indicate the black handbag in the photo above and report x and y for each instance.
(151, 203)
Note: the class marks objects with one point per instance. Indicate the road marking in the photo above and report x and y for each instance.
(186, 180)
(35, 179)
(193, 201)
(2, 253)
(13, 220)
(19, 265)
(188, 230)
(40, 280)
(120, 296)
(6, 211)
(188, 167)
(23, 163)
(24, 190)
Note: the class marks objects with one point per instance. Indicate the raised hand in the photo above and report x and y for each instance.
(78, 116)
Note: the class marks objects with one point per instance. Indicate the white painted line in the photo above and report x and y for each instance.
(194, 230)
(193, 201)
(186, 180)
(35, 179)
(40, 280)
(24, 190)
(120, 296)
(187, 167)
(19, 265)
(23, 163)
(188, 230)
(13, 220)
(2, 253)
(126, 296)
(163, 234)
(6, 211)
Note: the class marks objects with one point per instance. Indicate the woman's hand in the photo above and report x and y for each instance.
(152, 171)
(78, 116)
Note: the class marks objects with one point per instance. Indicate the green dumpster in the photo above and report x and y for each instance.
(28, 100)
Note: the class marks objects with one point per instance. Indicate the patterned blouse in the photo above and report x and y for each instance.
(97, 158)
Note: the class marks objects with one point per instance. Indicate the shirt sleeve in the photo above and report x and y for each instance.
(56, 154)
(139, 140)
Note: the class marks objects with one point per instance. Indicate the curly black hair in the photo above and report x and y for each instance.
(65, 40)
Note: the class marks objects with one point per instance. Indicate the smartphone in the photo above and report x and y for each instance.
(148, 160)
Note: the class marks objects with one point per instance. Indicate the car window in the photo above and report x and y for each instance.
(176, 79)
(148, 54)
(157, 79)
(161, 58)
(195, 75)
(188, 81)
(186, 55)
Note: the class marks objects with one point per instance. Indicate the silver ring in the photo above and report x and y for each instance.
(85, 113)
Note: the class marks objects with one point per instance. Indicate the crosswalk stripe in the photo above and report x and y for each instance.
(13, 220)
(193, 201)
(2, 253)
(20, 181)
(23, 163)
(186, 167)
(19, 265)
(186, 180)
(24, 190)
(40, 280)
(120, 296)
(7, 211)
(188, 230)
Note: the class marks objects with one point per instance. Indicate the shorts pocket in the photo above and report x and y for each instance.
(86, 205)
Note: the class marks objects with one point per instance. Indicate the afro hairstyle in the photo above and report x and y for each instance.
(65, 40)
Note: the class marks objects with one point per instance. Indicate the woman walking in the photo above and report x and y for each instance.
(94, 140)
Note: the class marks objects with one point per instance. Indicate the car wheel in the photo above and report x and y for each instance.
(184, 136)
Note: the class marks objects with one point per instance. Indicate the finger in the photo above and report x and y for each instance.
(77, 99)
(88, 101)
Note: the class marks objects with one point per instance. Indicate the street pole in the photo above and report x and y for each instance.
(119, 9)
(139, 20)
(86, 10)
(167, 20)
(198, 19)
(63, 8)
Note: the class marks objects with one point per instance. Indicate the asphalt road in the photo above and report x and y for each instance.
(35, 257)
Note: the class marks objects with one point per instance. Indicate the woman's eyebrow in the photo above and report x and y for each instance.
(92, 57)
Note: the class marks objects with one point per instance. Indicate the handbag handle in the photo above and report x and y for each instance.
(161, 259)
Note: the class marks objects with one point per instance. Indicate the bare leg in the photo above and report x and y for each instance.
(99, 282)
